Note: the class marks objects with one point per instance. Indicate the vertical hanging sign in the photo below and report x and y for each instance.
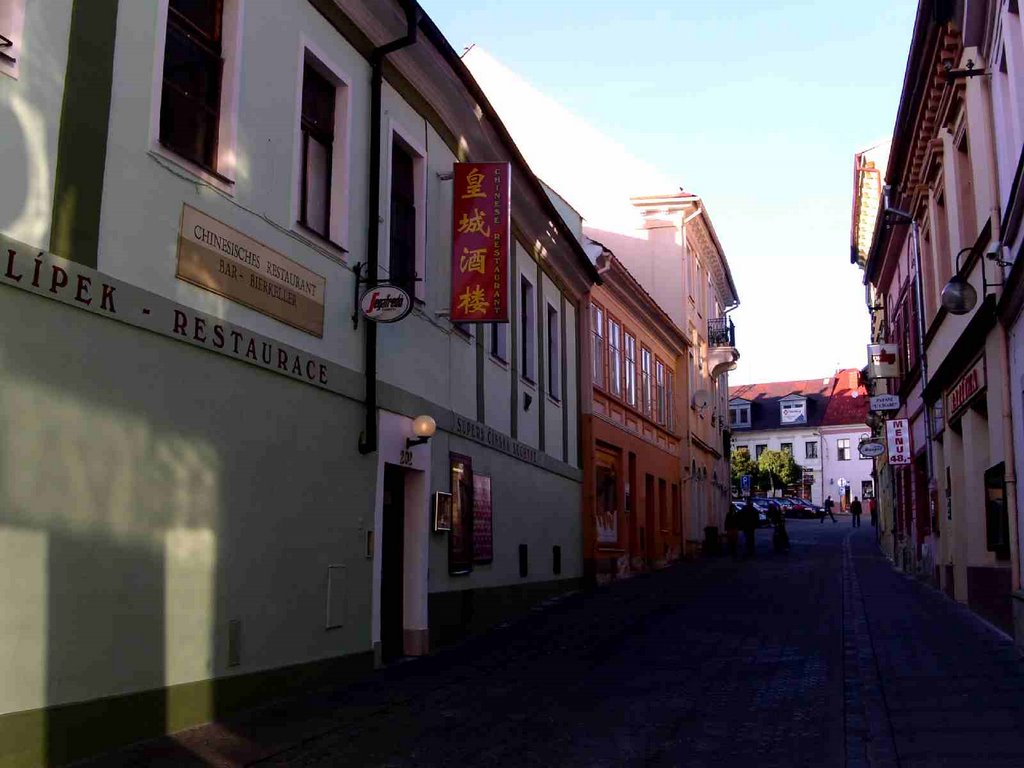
(897, 432)
(481, 239)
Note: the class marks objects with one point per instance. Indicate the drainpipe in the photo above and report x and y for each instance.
(368, 439)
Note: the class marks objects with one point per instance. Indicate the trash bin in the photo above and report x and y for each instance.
(712, 546)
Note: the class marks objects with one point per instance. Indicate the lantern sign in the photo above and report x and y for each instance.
(481, 242)
(883, 361)
(897, 434)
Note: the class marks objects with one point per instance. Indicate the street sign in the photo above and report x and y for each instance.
(883, 361)
(869, 449)
(885, 403)
(842, 482)
(745, 485)
(897, 433)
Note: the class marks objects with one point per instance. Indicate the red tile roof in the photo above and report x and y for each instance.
(832, 400)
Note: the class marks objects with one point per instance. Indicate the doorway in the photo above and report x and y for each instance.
(392, 577)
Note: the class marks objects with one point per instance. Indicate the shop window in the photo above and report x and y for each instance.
(630, 382)
(597, 348)
(614, 358)
(811, 449)
(843, 449)
(606, 499)
(527, 329)
(12, 20)
(460, 538)
(317, 127)
(997, 523)
(554, 358)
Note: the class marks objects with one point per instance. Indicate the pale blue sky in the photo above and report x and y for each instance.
(757, 106)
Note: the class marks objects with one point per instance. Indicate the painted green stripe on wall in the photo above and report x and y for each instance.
(82, 141)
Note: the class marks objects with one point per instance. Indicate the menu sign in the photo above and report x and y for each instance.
(897, 434)
(483, 525)
(227, 262)
(481, 236)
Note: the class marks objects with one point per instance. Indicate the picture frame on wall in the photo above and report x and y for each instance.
(442, 511)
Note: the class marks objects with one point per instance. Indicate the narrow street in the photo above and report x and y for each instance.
(824, 656)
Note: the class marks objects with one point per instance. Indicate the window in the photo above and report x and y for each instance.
(645, 380)
(965, 192)
(787, 447)
(758, 450)
(317, 125)
(597, 343)
(660, 411)
(192, 79)
(527, 329)
(669, 408)
(614, 358)
(402, 255)
(554, 358)
(867, 490)
(12, 18)
(499, 341)
(811, 449)
(843, 449)
(630, 369)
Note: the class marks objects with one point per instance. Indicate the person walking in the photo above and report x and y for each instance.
(826, 509)
(855, 510)
(749, 522)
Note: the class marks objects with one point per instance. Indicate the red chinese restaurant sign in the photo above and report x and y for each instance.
(481, 239)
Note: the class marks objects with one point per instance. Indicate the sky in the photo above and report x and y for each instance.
(758, 107)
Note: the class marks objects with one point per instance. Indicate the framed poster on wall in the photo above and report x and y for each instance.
(442, 511)
(460, 537)
(483, 527)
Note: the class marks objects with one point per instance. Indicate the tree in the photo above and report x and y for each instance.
(777, 470)
(742, 464)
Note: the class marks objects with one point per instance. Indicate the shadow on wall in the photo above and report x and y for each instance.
(164, 513)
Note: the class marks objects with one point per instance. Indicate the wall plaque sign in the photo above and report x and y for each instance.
(229, 263)
(964, 390)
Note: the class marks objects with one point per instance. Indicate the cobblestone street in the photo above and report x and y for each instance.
(824, 656)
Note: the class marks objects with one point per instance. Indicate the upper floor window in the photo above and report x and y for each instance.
(739, 416)
(787, 447)
(554, 334)
(499, 341)
(402, 254)
(645, 380)
(527, 329)
(597, 343)
(660, 405)
(630, 353)
(669, 407)
(843, 449)
(190, 103)
(12, 19)
(965, 193)
(614, 357)
(317, 124)
(810, 449)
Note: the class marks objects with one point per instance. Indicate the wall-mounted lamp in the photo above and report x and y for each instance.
(970, 70)
(424, 428)
(958, 295)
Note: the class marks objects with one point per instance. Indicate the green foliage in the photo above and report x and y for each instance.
(777, 469)
(742, 463)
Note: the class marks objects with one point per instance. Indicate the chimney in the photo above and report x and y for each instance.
(853, 378)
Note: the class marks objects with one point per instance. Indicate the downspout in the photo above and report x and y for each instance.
(368, 439)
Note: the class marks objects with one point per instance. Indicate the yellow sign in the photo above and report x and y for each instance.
(221, 259)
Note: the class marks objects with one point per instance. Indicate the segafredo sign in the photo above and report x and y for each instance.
(385, 304)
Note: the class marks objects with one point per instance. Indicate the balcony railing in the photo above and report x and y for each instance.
(721, 332)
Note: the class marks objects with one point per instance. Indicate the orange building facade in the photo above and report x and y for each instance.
(634, 432)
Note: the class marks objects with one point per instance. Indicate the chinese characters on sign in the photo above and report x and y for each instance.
(897, 432)
(481, 234)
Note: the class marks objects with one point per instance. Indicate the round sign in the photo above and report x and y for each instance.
(385, 304)
(871, 448)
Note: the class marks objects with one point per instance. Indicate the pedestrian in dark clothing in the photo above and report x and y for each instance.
(826, 509)
(749, 526)
(855, 511)
(780, 538)
(732, 529)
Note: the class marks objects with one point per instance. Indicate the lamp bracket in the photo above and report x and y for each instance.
(413, 441)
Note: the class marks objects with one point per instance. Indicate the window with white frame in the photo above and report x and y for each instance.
(786, 448)
(597, 343)
(660, 411)
(758, 450)
(527, 329)
(811, 449)
(646, 374)
(843, 449)
(630, 378)
(197, 87)
(614, 357)
(669, 406)
(554, 358)
(739, 415)
(12, 22)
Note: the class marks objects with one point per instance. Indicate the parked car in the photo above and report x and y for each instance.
(800, 508)
(759, 505)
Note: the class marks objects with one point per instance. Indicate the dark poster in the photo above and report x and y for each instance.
(483, 527)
